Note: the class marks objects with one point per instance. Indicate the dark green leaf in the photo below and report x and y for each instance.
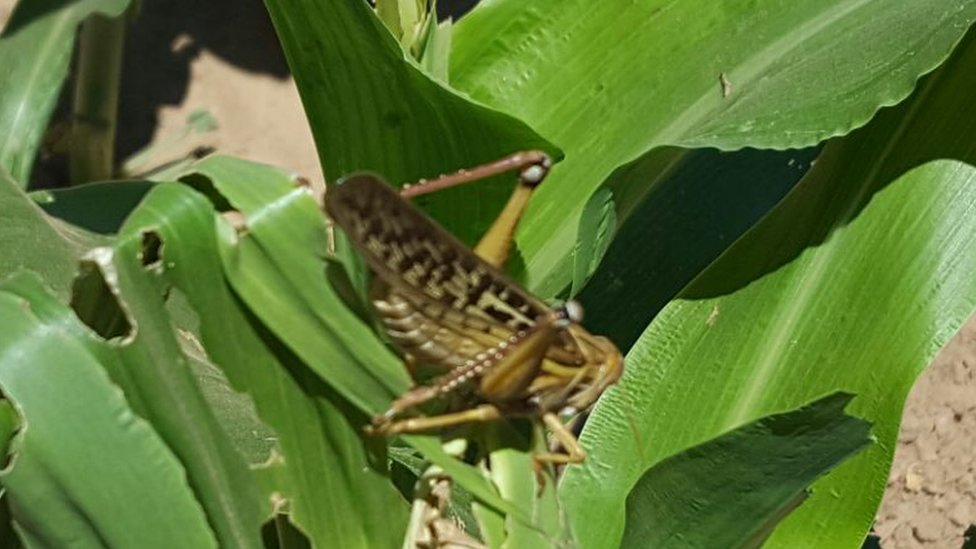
(732, 490)
(372, 109)
(699, 205)
(97, 207)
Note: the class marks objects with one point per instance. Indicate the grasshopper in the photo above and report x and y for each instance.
(502, 351)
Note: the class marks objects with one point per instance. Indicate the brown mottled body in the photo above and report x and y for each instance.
(449, 307)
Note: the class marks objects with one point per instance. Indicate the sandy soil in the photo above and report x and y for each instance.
(931, 496)
(184, 56)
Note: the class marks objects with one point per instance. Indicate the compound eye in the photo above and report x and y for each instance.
(574, 311)
(533, 174)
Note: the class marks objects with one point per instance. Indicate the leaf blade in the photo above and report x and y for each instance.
(870, 244)
(63, 487)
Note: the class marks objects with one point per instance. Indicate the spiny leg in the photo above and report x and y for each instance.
(414, 397)
(574, 452)
(532, 167)
(481, 413)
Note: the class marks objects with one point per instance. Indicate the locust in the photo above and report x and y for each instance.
(500, 351)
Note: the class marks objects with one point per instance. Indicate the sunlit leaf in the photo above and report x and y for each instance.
(852, 283)
(83, 452)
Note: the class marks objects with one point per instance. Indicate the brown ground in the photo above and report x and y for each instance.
(931, 494)
(184, 56)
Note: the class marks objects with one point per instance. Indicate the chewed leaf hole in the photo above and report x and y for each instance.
(152, 247)
(279, 532)
(205, 186)
(11, 426)
(97, 305)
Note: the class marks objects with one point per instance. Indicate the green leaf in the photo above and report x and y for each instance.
(8, 536)
(84, 206)
(701, 203)
(275, 263)
(154, 161)
(609, 81)
(35, 49)
(31, 240)
(436, 56)
(325, 477)
(388, 12)
(97, 207)
(83, 453)
(9, 425)
(517, 477)
(852, 283)
(371, 108)
(732, 490)
(799, 71)
(120, 294)
(597, 222)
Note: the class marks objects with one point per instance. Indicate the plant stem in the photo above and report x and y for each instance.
(96, 98)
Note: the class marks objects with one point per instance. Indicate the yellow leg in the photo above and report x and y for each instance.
(496, 243)
(484, 412)
(532, 167)
(574, 452)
